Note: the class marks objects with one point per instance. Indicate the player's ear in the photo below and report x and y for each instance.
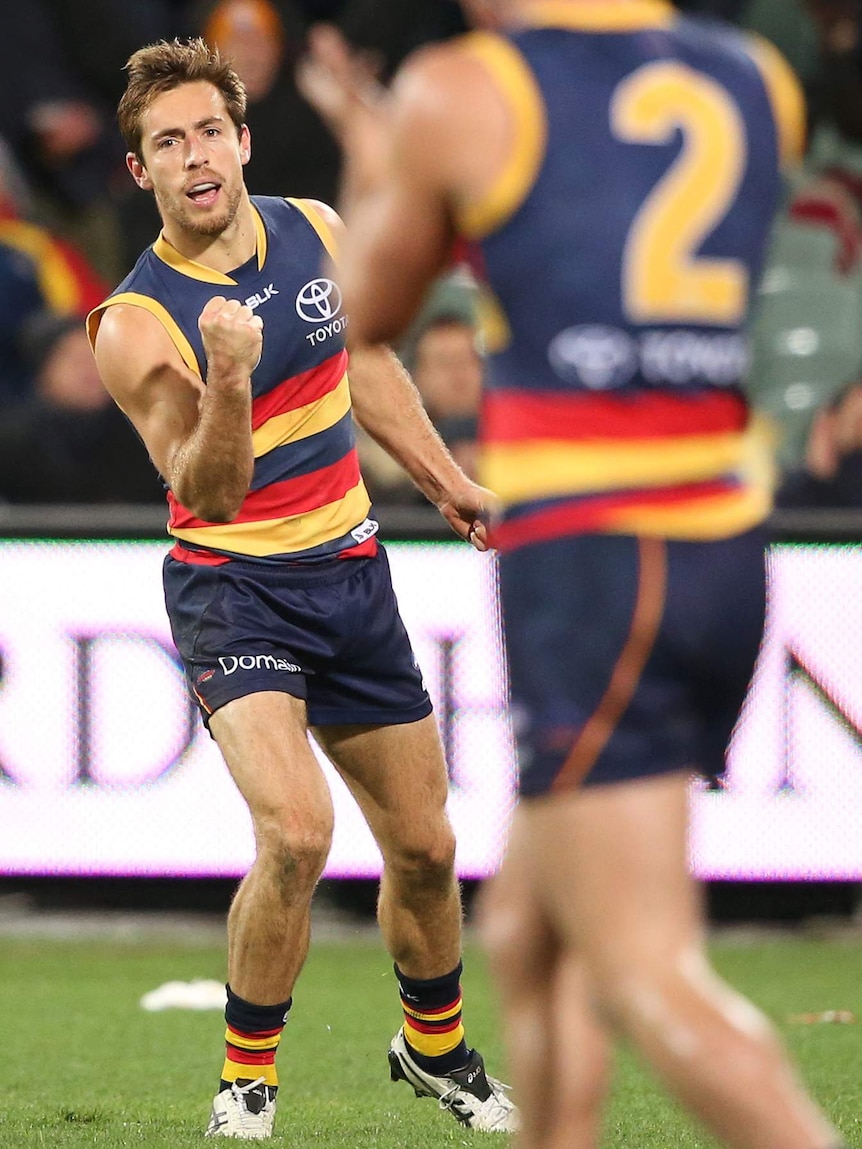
(139, 172)
(244, 144)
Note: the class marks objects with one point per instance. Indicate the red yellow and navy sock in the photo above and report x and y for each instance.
(432, 1021)
(251, 1040)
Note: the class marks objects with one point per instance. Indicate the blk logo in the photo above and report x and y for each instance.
(261, 297)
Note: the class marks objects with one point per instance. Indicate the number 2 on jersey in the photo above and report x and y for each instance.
(665, 280)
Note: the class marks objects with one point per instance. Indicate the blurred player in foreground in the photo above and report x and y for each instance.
(225, 348)
(618, 166)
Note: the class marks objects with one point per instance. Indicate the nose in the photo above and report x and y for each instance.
(194, 156)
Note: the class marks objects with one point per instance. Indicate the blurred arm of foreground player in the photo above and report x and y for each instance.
(415, 158)
(386, 403)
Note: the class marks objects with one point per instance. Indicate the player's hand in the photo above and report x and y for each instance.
(340, 84)
(836, 431)
(848, 420)
(470, 511)
(233, 341)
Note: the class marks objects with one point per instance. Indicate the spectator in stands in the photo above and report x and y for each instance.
(48, 118)
(807, 333)
(20, 297)
(68, 442)
(292, 152)
(38, 271)
(442, 353)
(838, 28)
(447, 369)
(807, 340)
(61, 73)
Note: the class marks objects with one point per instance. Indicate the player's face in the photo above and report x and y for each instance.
(193, 159)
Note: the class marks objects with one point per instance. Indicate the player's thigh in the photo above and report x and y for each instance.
(610, 865)
(718, 596)
(264, 741)
(397, 774)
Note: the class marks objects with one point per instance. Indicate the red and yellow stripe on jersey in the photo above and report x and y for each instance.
(652, 463)
(306, 491)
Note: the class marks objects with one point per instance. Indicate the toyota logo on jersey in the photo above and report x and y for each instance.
(318, 301)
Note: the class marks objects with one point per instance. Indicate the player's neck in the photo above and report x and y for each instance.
(223, 252)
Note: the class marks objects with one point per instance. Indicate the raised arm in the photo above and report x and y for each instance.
(198, 434)
(416, 158)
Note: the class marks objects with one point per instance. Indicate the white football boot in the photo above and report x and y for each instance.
(245, 1112)
(471, 1096)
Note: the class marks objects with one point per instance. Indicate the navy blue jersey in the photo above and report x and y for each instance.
(623, 244)
(307, 498)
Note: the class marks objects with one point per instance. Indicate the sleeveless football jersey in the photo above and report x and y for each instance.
(622, 244)
(307, 499)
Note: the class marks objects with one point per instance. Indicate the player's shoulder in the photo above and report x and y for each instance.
(730, 41)
(125, 327)
(442, 72)
(324, 219)
(743, 54)
(324, 211)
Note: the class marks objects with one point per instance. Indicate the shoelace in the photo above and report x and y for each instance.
(502, 1106)
(498, 1104)
(240, 1092)
(501, 1110)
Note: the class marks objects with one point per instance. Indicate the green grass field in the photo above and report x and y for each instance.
(83, 1065)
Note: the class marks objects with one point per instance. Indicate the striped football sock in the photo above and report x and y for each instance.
(432, 1021)
(251, 1040)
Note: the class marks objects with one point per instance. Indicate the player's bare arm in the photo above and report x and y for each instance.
(387, 404)
(414, 158)
(198, 436)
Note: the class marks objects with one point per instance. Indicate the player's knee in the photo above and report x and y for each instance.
(673, 996)
(425, 858)
(631, 983)
(505, 937)
(294, 854)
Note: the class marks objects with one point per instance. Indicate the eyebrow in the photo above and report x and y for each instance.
(204, 123)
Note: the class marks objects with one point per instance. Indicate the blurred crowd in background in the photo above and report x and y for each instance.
(72, 224)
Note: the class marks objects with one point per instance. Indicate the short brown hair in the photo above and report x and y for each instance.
(166, 65)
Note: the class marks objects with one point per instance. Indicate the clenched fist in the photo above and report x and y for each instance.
(233, 340)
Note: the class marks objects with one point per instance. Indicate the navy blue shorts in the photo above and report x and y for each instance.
(629, 657)
(329, 633)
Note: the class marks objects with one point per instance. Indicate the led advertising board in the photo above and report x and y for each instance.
(105, 768)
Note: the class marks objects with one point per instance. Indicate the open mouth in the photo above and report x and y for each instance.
(204, 194)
